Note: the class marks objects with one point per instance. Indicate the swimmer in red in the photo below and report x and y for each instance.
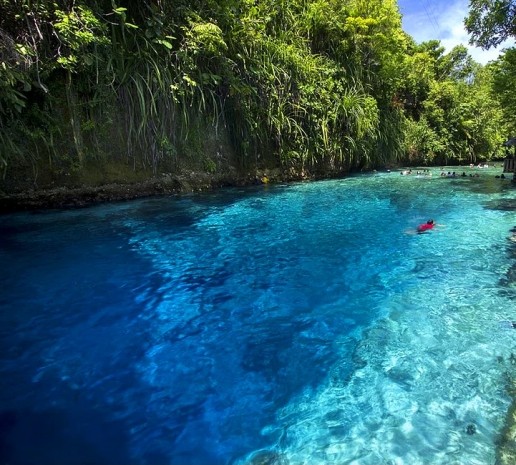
(426, 226)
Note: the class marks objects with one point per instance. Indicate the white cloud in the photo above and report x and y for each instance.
(445, 21)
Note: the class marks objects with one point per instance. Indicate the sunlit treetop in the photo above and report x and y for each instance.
(491, 22)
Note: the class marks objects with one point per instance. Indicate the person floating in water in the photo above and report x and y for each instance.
(422, 228)
(426, 226)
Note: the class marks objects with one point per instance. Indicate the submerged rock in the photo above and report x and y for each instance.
(471, 429)
(506, 450)
(265, 457)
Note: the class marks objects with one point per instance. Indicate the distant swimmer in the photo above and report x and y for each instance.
(422, 228)
(426, 226)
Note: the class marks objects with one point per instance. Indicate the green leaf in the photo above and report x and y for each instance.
(166, 43)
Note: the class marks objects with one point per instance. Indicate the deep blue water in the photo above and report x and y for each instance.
(292, 324)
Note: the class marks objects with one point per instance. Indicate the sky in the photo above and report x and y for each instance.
(444, 20)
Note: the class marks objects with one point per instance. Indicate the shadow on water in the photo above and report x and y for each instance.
(487, 185)
(508, 204)
(180, 212)
(69, 339)
(502, 204)
(53, 436)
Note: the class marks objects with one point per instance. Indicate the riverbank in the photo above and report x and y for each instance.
(76, 197)
(165, 184)
(73, 196)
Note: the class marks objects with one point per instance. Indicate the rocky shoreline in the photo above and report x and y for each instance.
(506, 450)
(77, 197)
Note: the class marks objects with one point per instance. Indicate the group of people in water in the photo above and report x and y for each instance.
(449, 174)
(424, 172)
(463, 175)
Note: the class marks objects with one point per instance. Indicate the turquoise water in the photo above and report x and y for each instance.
(293, 324)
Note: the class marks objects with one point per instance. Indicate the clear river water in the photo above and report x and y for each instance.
(282, 324)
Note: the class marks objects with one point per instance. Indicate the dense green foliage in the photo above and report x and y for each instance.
(318, 85)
